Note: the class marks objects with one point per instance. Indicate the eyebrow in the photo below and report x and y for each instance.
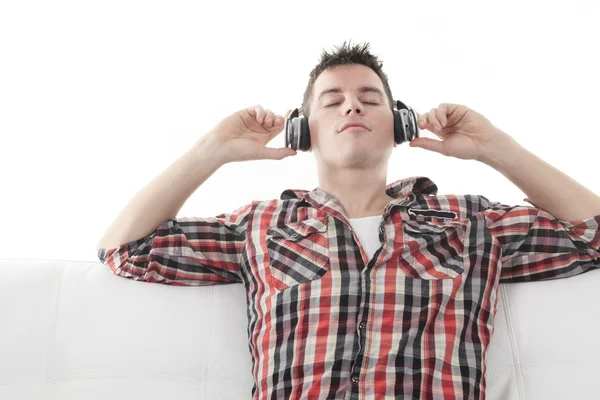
(362, 89)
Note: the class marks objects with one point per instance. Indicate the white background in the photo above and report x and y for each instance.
(98, 98)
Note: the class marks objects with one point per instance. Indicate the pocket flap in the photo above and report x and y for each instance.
(432, 213)
(427, 226)
(297, 230)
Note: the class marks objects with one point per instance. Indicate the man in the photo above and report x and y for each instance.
(358, 289)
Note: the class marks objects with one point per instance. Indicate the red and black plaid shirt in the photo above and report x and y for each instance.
(414, 321)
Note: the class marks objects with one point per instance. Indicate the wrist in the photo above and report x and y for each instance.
(207, 148)
(498, 150)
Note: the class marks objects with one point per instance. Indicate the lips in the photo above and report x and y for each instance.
(353, 123)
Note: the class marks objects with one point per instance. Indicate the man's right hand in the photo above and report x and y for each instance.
(243, 135)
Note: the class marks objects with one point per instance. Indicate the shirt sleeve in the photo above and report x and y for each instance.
(536, 246)
(188, 251)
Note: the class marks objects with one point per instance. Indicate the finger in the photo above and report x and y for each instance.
(279, 119)
(433, 121)
(260, 113)
(423, 121)
(441, 114)
(254, 110)
(277, 153)
(251, 111)
(428, 144)
(269, 118)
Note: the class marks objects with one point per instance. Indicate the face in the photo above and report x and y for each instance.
(353, 147)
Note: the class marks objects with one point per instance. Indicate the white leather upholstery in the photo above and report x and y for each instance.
(74, 330)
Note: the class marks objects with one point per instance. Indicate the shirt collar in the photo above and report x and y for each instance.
(399, 190)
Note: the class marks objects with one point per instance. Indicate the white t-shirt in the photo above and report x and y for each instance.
(367, 230)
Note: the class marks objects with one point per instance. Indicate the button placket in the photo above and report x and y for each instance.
(362, 327)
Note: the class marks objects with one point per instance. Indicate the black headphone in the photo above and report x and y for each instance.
(297, 135)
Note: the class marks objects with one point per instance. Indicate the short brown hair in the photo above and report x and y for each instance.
(346, 55)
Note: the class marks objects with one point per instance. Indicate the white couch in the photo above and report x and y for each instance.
(74, 330)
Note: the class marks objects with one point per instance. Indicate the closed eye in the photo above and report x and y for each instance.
(331, 105)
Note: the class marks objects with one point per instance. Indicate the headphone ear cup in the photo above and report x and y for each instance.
(413, 125)
(295, 125)
(304, 134)
(297, 133)
(405, 123)
(399, 134)
(289, 131)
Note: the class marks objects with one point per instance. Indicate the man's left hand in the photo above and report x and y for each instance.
(465, 134)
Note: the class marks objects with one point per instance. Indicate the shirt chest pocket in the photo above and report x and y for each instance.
(433, 248)
(298, 252)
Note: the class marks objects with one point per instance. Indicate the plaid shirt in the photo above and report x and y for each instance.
(325, 321)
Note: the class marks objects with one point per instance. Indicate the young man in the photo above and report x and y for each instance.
(358, 289)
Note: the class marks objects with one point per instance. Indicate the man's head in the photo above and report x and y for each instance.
(353, 72)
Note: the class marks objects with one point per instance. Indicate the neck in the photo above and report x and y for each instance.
(360, 193)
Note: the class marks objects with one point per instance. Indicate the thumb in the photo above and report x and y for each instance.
(271, 153)
(428, 144)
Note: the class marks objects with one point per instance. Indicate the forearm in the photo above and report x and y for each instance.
(163, 197)
(545, 186)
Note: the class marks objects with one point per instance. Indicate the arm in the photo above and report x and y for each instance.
(560, 236)
(163, 197)
(546, 187)
(147, 243)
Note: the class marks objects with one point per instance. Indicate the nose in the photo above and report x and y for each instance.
(358, 110)
(353, 104)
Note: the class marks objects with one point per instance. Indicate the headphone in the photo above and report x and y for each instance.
(297, 135)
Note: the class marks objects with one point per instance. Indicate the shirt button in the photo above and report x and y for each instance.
(355, 378)
(362, 325)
